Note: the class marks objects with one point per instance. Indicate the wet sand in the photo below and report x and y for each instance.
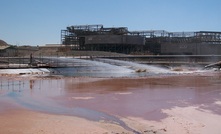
(29, 122)
(182, 104)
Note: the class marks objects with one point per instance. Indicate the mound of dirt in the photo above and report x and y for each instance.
(3, 43)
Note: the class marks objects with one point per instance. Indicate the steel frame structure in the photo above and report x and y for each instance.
(74, 37)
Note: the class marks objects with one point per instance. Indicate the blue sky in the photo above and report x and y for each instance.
(39, 22)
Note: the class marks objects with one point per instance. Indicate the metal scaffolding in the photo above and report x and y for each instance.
(120, 39)
(96, 37)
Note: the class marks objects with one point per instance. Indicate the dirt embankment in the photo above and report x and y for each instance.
(53, 51)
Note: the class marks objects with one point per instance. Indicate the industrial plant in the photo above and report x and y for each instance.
(97, 41)
(122, 40)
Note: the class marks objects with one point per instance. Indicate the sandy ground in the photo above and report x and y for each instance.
(182, 104)
(188, 120)
(29, 122)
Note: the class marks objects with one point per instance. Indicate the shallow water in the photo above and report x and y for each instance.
(109, 99)
(115, 96)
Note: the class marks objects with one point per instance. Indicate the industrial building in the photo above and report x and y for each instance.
(121, 40)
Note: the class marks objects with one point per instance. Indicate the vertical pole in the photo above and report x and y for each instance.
(8, 60)
(19, 62)
(30, 59)
(57, 59)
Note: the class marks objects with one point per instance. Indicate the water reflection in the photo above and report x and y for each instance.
(11, 85)
(31, 82)
(139, 97)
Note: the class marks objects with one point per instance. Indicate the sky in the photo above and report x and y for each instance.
(39, 22)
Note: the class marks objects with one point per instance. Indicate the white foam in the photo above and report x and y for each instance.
(137, 66)
(25, 71)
